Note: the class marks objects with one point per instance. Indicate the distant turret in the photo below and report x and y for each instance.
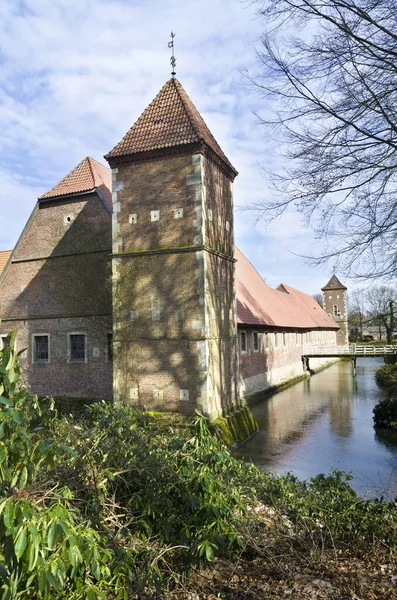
(335, 305)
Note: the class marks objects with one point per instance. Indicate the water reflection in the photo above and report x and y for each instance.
(326, 422)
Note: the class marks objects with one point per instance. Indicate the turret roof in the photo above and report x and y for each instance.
(334, 284)
(170, 120)
(88, 175)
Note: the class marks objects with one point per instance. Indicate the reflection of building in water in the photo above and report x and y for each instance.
(340, 415)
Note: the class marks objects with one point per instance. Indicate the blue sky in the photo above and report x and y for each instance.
(76, 74)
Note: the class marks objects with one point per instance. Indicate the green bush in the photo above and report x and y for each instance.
(386, 375)
(385, 413)
(125, 501)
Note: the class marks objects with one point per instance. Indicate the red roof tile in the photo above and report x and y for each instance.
(88, 175)
(4, 256)
(258, 304)
(171, 119)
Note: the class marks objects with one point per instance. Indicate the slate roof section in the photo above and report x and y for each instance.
(88, 175)
(334, 284)
(260, 305)
(4, 256)
(170, 120)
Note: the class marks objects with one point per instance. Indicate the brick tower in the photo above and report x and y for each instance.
(174, 308)
(335, 304)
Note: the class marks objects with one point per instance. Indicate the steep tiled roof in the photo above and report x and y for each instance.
(88, 175)
(258, 304)
(4, 256)
(170, 120)
(334, 284)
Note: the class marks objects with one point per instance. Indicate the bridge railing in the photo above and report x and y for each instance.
(351, 350)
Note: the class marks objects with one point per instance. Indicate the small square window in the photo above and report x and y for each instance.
(155, 215)
(133, 219)
(243, 341)
(133, 315)
(256, 341)
(178, 213)
(41, 348)
(117, 186)
(77, 347)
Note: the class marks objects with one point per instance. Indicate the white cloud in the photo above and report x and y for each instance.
(75, 75)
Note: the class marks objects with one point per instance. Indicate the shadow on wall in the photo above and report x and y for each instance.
(69, 291)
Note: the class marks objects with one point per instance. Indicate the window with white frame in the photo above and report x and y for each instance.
(243, 341)
(256, 341)
(336, 310)
(40, 348)
(4, 341)
(77, 347)
(155, 307)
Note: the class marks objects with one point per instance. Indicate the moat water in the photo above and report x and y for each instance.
(326, 423)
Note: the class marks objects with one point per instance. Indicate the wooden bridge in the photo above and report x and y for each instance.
(353, 351)
(348, 351)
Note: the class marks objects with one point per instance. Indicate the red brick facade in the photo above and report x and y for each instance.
(173, 285)
(59, 283)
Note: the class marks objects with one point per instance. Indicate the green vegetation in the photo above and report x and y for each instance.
(385, 412)
(122, 503)
(386, 375)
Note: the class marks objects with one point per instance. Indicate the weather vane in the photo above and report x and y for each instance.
(172, 59)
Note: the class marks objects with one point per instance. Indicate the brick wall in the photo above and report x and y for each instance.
(59, 282)
(338, 299)
(279, 356)
(174, 310)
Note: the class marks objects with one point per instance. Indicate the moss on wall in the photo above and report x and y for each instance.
(236, 427)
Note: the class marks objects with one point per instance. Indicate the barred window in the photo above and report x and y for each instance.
(256, 341)
(77, 347)
(41, 348)
(243, 341)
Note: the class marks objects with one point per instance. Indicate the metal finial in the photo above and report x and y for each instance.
(172, 59)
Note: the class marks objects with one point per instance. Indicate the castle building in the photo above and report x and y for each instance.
(139, 294)
(335, 305)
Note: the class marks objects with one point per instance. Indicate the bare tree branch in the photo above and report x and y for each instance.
(329, 76)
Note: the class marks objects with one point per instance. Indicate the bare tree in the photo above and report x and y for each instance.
(382, 305)
(357, 313)
(319, 299)
(329, 76)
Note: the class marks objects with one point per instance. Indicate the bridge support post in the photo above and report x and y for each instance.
(354, 366)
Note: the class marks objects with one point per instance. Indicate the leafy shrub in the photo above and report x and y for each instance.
(386, 375)
(124, 500)
(385, 413)
(170, 482)
(46, 547)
